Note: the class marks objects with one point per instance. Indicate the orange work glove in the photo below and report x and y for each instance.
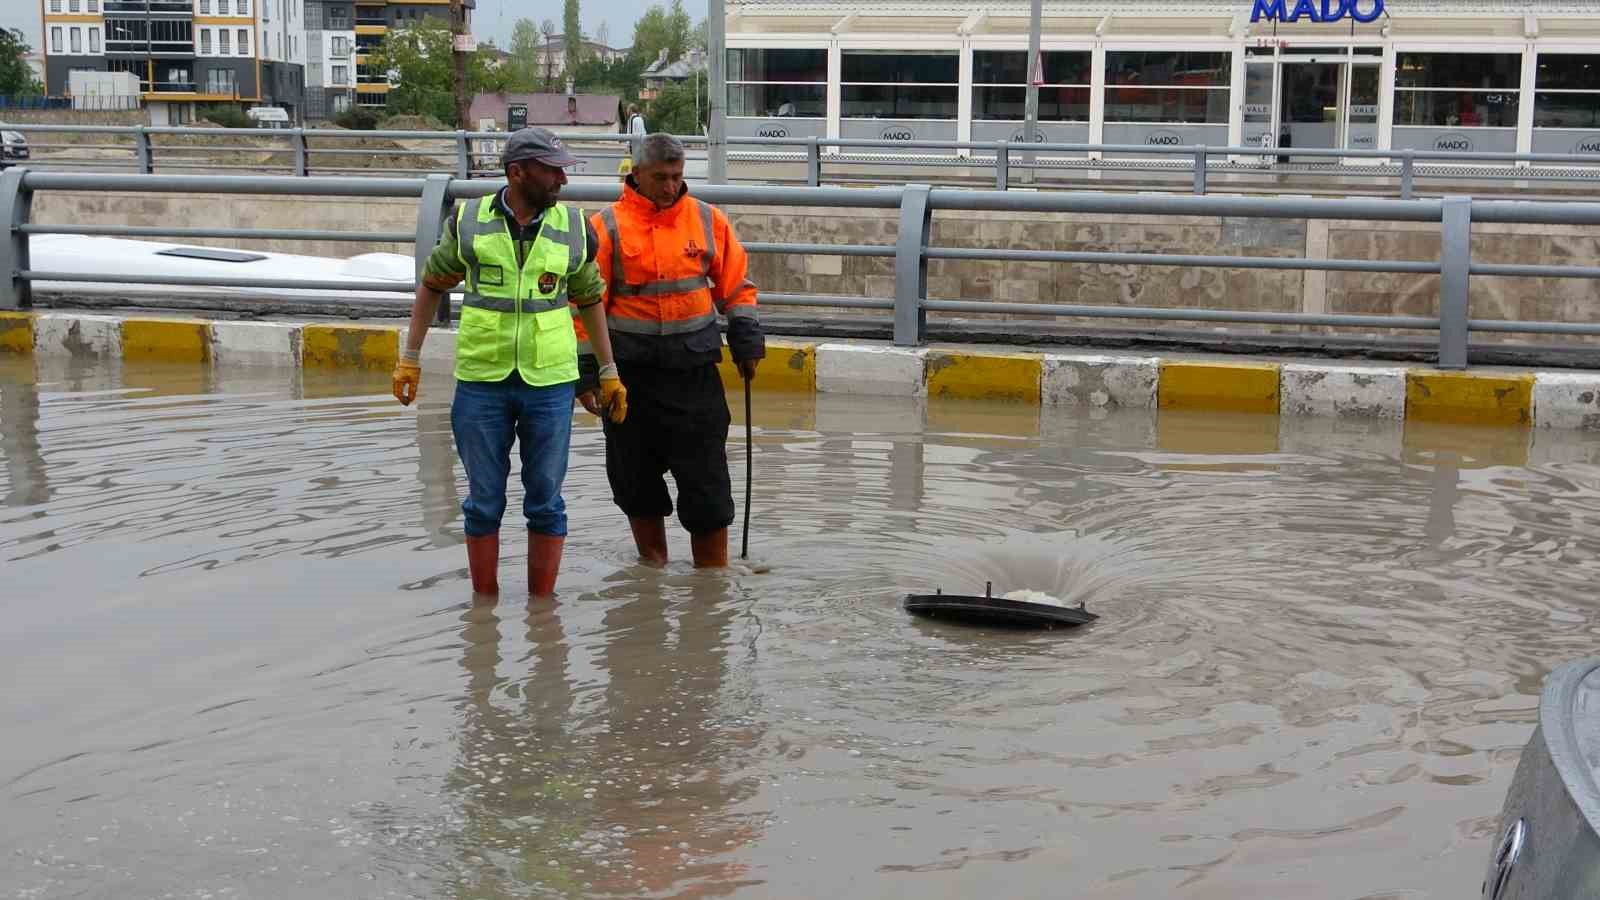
(613, 396)
(407, 376)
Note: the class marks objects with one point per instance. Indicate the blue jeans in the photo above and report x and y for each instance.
(486, 416)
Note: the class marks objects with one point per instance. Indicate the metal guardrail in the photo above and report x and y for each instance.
(314, 151)
(911, 251)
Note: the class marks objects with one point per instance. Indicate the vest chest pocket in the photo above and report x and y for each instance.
(491, 275)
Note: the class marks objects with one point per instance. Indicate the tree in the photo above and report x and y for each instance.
(417, 56)
(16, 76)
(571, 37)
(602, 35)
(622, 77)
(651, 34)
(680, 31)
(523, 74)
(702, 37)
(675, 110)
(548, 29)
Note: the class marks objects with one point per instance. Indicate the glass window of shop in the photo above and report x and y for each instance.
(899, 84)
(1168, 86)
(1000, 85)
(1566, 104)
(778, 82)
(1457, 90)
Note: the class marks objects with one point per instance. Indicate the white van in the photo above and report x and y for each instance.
(268, 116)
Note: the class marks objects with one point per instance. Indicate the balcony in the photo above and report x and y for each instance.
(168, 87)
(160, 7)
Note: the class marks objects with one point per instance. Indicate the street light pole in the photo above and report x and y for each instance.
(1030, 108)
(717, 97)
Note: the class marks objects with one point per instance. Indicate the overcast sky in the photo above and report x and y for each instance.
(493, 19)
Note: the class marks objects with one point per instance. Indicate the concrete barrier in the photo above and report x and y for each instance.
(166, 340)
(1343, 391)
(976, 375)
(1109, 382)
(255, 343)
(1567, 400)
(1419, 396)
(1236, 387)
(1469, 398)
(870, 369)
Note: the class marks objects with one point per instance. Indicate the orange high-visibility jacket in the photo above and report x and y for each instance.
(668, 274)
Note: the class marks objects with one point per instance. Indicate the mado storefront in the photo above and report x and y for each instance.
(1470, 75)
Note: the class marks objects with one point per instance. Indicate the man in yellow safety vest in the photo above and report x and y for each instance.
(523, 256)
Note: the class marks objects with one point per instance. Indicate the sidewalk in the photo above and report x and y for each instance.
(1346, 389)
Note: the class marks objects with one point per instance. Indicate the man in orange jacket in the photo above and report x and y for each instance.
(671, 265)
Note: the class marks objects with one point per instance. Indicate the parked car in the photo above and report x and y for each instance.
(13, 148)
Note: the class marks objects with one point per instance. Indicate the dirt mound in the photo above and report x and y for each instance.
(413, 123)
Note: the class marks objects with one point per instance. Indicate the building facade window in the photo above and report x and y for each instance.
(55, 6)
(94, 6)
(222, 8)
(205, 42)
(244, 42)
(74, 5)
(1566, 104)
(1000, 85)
(338, 17)
(1167, 86)
(244, 7)
(1567, 91)
(221, 82)
(75, 35)
(205, 7)
(341, 48)
(899, 84)
(778, 82)
(1457, 90)
(341, 75)
(222, 41)
(172, 36)
(94, 40)
(55, 40)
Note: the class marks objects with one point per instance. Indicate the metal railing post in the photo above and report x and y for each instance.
(1455, 270)
(16, 205)
(143, 155)
(1002, 165)
(1200, 170)
(297, 143)
(463, 158)
(1408, 163)
(911, 266)
(813, 162)
(432, 211)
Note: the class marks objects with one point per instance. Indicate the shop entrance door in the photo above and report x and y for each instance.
(1311, 109)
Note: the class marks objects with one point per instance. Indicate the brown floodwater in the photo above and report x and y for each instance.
(242, 659)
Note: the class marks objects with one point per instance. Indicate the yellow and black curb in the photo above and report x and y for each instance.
(1568, 399)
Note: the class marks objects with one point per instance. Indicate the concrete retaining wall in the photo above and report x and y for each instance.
(1564, 400)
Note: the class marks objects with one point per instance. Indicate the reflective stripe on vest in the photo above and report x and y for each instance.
(619, 281)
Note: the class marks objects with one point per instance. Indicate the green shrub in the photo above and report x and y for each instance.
(357, 118)
(224, 114)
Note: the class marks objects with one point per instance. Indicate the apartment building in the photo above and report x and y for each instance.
(340, 38)
(184, 53)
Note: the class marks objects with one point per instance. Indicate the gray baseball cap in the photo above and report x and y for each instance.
(538, 144)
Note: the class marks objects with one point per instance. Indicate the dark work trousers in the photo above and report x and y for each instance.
(677, 422)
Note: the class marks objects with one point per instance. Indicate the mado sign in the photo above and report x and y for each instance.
(1315, 10)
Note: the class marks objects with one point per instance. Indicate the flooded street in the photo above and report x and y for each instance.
(242, 662)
